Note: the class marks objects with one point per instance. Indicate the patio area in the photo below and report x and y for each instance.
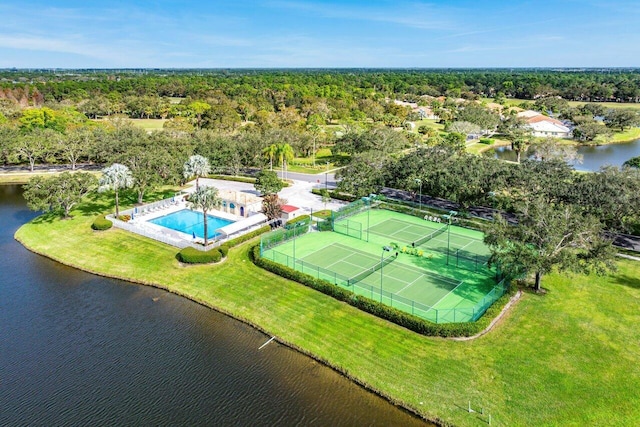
(141, 216)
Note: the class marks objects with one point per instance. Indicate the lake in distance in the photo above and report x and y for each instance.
(593, 157)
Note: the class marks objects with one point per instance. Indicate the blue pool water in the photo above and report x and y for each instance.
(190, 222)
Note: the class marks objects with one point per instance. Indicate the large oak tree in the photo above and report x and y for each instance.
(547, 237)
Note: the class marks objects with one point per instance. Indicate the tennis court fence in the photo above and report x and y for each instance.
(356, 207)
(435, 315)
(307, 268)
(279, 236)
(470, 261)
(349, 228)
(351, 209)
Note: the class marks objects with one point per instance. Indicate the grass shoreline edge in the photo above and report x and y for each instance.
(344, 372)
(431, 377)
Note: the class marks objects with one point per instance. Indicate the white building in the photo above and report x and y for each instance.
(545, 126)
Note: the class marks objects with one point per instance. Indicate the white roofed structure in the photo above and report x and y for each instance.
(243, 224)
(542, 125)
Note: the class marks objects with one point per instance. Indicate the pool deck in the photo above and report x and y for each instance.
(298, 194)
(142, 215)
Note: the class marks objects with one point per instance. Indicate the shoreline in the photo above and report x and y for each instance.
(629, 140)
(432, 378)
(194, 298)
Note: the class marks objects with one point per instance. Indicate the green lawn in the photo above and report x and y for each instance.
(630, 134)
(567, 358)
(518, 101)
(324, 161)
(428, 123)
(149, 124)
(24, 177)
(18, 178)
(479, 148)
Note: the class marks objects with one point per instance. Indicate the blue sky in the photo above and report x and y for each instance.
(350, 33)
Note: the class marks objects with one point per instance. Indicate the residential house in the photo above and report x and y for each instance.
(542, 125)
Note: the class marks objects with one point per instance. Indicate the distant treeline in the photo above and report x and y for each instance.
(292, 87)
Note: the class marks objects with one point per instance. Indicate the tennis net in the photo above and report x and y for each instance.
(369, 271)
(430, 236)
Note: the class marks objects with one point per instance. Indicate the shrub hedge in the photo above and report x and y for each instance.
(245, 179)
(299, 219)
(241, 239)
(191, 255)
(335, 195)
(101, 223)
(463, 219)
(383, 311)
(224, 250)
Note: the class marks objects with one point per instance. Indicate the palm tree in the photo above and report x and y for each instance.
(285, 154)
(196, 166)
(270, 152)
(205, 198)
(114, 178)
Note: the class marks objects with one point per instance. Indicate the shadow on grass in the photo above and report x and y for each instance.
(47, 218)
(99, 203)
(93, 204)
(630, 281)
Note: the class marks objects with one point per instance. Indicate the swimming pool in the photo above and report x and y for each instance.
(190, 222)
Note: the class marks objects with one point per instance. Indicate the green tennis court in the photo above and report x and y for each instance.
(451, 244)
(345, 261)
(426, 285)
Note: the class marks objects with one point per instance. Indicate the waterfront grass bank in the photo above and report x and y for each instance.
(563, 358)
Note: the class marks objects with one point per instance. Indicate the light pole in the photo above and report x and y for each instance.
(367, 203)
(419, 182)
(384, 249)
(449, 217)
(326, 173)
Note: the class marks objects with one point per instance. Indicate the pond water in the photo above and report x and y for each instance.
(78, 349)
(593, 157)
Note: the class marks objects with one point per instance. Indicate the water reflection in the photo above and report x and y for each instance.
(593, 157)
(78, 349)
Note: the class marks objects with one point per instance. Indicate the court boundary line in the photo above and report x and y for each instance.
(342, 260)
(410, 284)
(433, 307)
(351, 253)
(407, 224)
(355, 251)
(429, 273)
(411, 223)
(392, 235)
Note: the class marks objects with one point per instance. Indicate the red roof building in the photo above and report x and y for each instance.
(289, 211)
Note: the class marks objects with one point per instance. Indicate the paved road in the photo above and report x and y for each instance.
(446, 205)
(320, 179)
(48, 168)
